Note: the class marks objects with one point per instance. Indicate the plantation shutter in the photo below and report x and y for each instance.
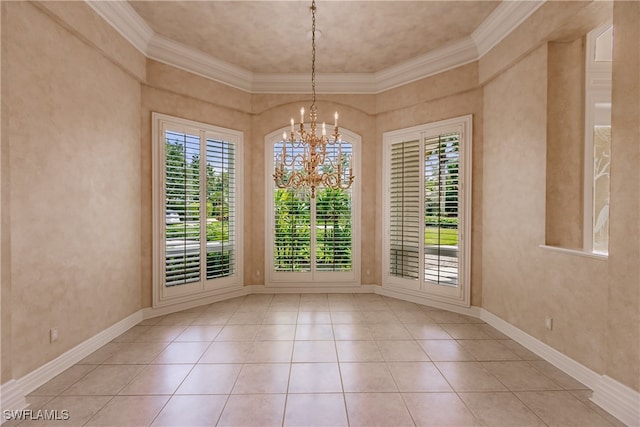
(333, 220)
(292, 230)
(313, 235)
(333, 230)
(441, 179)
(405, 211)
(427, 209)
(182, 228)
(193, 228)
(197, 220)
(220, 208)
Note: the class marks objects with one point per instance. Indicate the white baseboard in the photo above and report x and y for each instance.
(614, 397)
(12, 397)
(150, 312)
(305, 289)
(419, 299)
(617, 399)
(46, 372)
(561, 361)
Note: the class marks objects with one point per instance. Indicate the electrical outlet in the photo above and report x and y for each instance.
(53, 334)
(548, 321)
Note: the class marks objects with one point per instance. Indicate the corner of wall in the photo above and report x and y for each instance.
(623, 329)
(565, 144)
(5, 229)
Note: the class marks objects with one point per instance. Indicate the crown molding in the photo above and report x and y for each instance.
(434, 62)
(125, 20)
(195, 61)
(502, 21)
(363, 83)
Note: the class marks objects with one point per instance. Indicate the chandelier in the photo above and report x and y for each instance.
(308, 163)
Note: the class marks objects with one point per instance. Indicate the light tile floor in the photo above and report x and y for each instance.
(315, 360)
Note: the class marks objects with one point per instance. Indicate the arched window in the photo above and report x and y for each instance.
(312, 240)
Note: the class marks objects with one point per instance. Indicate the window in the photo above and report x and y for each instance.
(197, 206)
(427, 209)
(312, 240)
(597, 139)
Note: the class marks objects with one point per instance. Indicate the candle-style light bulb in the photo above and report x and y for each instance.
(302, 115)
(335, 116)
(292, 129)
(284, 141)
(324, 129)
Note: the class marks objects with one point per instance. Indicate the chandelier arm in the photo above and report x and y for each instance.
(310, 163)
(298, 158)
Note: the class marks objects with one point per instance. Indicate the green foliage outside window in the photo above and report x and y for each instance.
(292, 249)
(216, 231)
(183, 197)
(292, 230)
(333, 219)
(441, 191)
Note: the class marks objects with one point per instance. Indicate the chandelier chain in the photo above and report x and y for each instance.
(309, 163)
(313, 54)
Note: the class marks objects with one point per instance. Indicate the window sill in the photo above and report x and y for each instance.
(576, 252)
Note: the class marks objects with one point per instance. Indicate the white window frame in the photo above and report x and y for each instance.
(459, 295)
(317, 278)
(163, 295)
(597, 100)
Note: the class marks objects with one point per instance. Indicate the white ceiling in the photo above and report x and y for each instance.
(265, 46)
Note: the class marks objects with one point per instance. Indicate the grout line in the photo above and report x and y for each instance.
(355, 305)
(344, 396)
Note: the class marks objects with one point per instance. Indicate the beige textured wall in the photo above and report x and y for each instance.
(565, 143)
(80, 19)
(523, 283)
(73, 139)
(443, 85)
(623, 333)
(594, 303)
(5, 282)
(262, 102)
(174, 80)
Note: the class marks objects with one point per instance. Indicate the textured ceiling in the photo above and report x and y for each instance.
(357, 36)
